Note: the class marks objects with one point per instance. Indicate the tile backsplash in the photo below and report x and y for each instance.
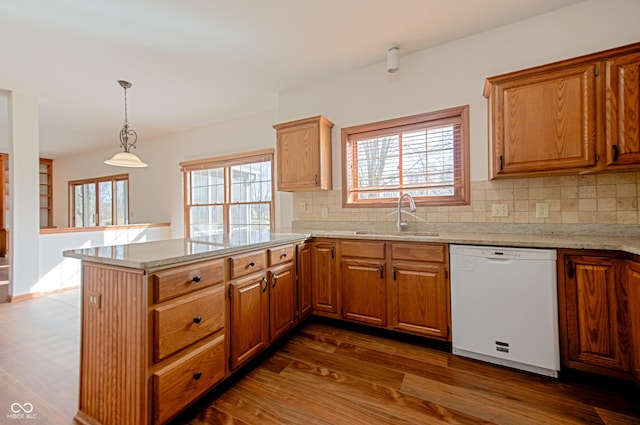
(601, 199)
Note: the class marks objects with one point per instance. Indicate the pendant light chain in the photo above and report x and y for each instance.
(126, 133)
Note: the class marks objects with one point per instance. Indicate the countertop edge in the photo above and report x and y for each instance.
(180, 260)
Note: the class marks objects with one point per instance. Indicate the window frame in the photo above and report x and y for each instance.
(226, 162)
(96, 181)
(462, 183)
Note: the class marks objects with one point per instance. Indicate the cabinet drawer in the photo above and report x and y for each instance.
(242, 264)
(172, 283)
(280, 254)
(363, 249)
(183, 381)
(431, 253)
(187, 320)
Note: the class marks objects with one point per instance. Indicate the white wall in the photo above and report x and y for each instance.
(453, 74)
(155, 192)
(58, 272)
(449, 75)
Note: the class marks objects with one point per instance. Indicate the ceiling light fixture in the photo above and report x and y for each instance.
(393, 59)
(128, 139)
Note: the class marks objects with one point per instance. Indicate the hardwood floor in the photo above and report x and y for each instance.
(323, 374)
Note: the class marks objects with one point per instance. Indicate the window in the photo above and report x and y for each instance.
(229, 194)
(424, 155)
(102, 201)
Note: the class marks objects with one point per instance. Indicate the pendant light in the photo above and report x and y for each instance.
(128, 139)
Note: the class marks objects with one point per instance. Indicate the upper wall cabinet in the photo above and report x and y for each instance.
(623, 111)
(303, 149)
(574, 116)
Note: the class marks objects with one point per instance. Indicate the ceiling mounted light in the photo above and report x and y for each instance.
(128, 139)
(393, 59)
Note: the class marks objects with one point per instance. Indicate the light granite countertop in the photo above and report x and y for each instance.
(629, 244)
(158, 255)
(167, 253)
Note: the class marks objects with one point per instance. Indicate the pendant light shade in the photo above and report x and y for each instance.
(128, 139)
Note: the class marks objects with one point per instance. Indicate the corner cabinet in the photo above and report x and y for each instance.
(595, 332)
(574, 116)
(623, 111)
(303, 150)
(633, 282)
(324, 281)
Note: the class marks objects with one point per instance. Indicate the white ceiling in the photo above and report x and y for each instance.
(195, 62)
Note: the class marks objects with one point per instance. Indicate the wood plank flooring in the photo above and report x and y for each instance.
(329, 375)
(323, 374)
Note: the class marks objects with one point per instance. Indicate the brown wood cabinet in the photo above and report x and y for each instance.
(574, 116)
(303, 276)
(364, 289)
(148, 351)
(248, 318)
(303, 150)
(324, 286)
(633, 282)
(594, 312)
(543, 122)
(420, 290)
(282, 300)
(623, 111)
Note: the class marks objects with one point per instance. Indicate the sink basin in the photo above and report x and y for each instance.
(396, 233)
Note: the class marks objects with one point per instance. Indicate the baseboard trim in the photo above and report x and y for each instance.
(23, 297)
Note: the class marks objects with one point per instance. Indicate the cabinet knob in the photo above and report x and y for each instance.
(252, 263)
(197, 319)
(197, 375)
(284, 254)
(196, 278)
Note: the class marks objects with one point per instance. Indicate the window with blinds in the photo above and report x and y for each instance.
(231, 194)
(424, 155)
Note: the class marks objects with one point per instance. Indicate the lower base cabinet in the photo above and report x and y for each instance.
(248, 318)
(177, 385)
(633, 286)
(593, 303)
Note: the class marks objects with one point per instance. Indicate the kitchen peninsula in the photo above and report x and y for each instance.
(159, 327)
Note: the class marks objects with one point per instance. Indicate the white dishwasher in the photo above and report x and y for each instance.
(504, 306)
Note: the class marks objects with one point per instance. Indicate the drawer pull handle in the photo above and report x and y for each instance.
(197, 319)
(252, 263)
(197, 375)
(196, 278)
(283, 255)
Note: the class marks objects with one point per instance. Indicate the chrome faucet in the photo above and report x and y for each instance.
(402, 224)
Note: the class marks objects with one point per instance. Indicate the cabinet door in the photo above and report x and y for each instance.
(364, 293)
(543, 122)
(303, 274)
(249, 318)
(623, 110)
(324, 292)
(298, 157)
(595, 316)
(633, 282)
(420, 299)
(282, 300)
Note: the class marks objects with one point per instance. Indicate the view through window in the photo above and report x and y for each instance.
(102, 201)
(424, 155)
(229, 194)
